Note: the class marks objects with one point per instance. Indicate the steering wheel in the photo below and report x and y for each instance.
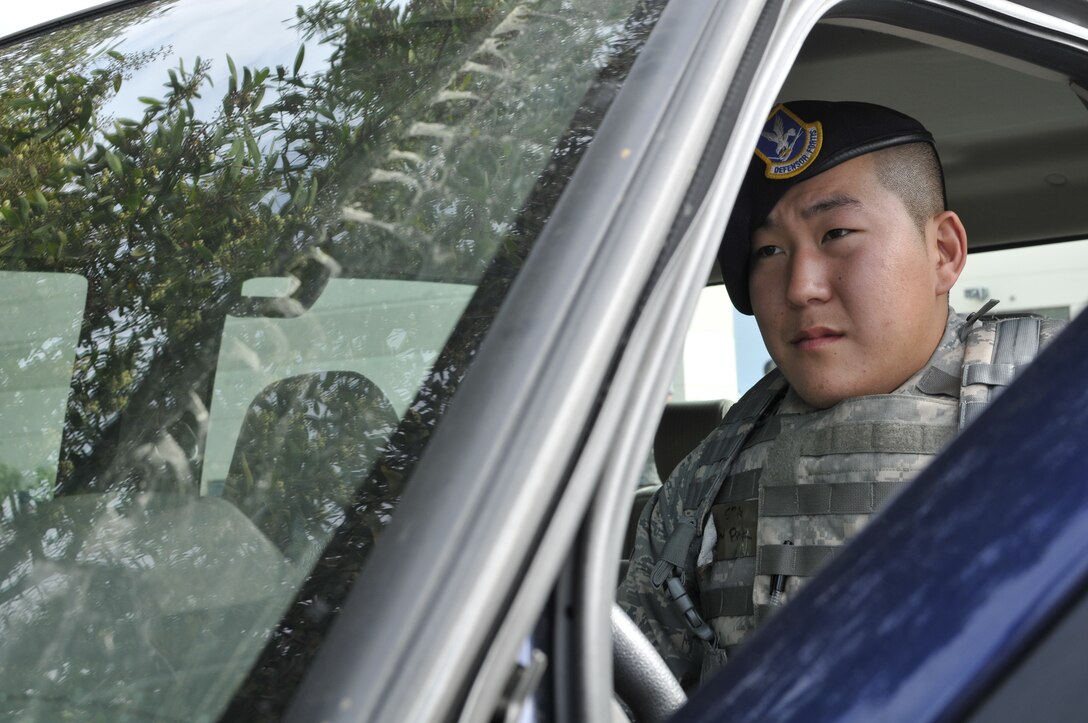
(642, 679)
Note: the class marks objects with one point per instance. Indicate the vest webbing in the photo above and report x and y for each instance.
(1015, 343)
(751, 408)
(745, 414)
(843, 498)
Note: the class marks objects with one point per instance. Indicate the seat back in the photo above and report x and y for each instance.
(682, 427)
(307, 445)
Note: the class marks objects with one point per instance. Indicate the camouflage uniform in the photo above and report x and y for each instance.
(779, 486)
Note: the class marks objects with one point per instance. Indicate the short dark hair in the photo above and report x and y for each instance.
(913, 172)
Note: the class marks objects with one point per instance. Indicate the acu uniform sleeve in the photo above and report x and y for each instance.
(649, 606)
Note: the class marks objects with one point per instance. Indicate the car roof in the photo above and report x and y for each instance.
(1074, 11)
(1014, 177)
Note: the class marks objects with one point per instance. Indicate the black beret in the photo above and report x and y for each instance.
(802, 139)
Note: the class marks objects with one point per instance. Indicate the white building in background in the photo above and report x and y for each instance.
(708, 367)
(1048, 280)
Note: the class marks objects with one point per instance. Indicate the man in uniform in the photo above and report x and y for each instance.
(842, 247)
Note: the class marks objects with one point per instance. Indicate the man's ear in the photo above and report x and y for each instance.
(951, 238)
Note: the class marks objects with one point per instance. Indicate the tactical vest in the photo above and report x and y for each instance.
(809, 482)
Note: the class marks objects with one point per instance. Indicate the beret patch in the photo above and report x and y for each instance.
(788, 145)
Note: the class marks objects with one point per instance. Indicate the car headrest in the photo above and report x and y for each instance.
(683, 426)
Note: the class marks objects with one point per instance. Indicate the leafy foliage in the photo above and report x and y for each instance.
(166, 214)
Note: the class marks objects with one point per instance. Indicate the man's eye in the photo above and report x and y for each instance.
(836, 233)
(766, 251)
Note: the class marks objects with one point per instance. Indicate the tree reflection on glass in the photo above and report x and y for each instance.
(419, 141)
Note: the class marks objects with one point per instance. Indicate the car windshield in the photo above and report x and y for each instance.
(247, 252)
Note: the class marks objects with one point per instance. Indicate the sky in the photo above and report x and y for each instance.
(24, 14)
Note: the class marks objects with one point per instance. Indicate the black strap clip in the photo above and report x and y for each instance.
(680, 597)
(667, 573)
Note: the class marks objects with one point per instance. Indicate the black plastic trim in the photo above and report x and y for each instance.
(984, 29)
(110, 6)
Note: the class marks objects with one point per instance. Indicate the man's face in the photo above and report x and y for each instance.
(844, 286)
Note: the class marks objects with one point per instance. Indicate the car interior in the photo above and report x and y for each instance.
(1004, 128)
